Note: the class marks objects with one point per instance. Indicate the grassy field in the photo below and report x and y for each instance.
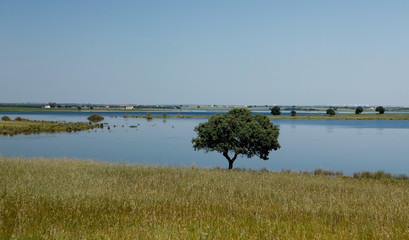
(69, 199)
(25, 126)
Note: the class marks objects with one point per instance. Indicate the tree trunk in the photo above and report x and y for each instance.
(230, 164)
(231, 160)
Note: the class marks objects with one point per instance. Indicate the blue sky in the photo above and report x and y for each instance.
(205, 52)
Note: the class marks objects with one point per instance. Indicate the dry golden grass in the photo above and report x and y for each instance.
(70, 199)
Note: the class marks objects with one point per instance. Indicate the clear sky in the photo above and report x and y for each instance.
(205, 52)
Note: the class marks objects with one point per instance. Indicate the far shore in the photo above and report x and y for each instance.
(362, 116)
(368, 116)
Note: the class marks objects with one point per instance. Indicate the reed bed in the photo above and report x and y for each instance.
(75, 199)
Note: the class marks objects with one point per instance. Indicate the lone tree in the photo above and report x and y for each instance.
(237, 132)
(359, 110)
(276, 110)
(330, 112)
(380, 109)
(293, 113)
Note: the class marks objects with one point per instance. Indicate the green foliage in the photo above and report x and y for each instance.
(293, 113)
(359, 110)
(95, 118)
(238, 132)
(276, 110)
(330, 112)
(5, 118)
(380, 109)
(149, 116)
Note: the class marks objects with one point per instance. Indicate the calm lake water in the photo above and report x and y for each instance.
(345, 145)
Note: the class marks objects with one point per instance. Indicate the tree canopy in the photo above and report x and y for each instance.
(276, 110)
(237, 132)
(330, 112)
(380, 109)
(359, 110)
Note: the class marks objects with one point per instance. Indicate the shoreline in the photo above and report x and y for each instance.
(378, 174)
(180, 114)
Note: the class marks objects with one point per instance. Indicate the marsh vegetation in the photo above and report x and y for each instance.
(26, 126)
(95, 118)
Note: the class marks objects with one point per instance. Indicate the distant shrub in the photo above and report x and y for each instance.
(275, 110)
(149, 116)
(330, 112)
(359, 110)
(6, 118)
(164, 115)
(293, 113)
(380, 109)
(20, 119)
(95, 118)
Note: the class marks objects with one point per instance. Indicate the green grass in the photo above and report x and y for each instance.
(26, 126)
(66, 199)
(21, 109)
